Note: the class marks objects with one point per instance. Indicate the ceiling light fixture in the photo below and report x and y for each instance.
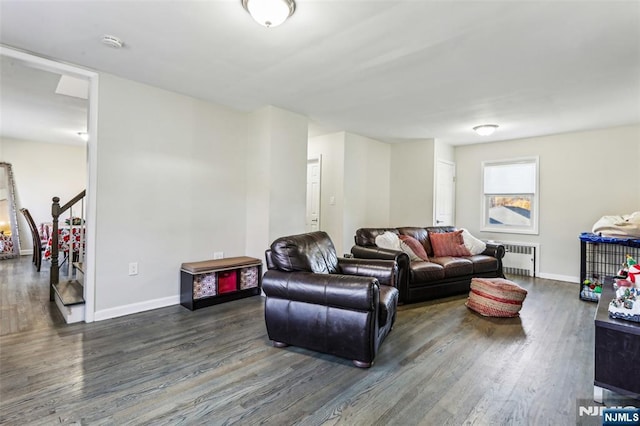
(269, 13)
(485, 129)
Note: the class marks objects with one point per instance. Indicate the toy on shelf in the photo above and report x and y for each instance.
(628, 264)
(630, 271)
(633, 274)
(591, 289)
(626, 304)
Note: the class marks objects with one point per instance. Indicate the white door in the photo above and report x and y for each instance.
(312, 221)
(445, 193)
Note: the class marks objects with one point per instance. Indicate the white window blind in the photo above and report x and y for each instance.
(512, 178)
(510, 195)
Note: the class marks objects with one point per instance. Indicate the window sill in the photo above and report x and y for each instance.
(510, 230)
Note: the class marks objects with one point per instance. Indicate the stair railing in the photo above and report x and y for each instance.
(56, 212)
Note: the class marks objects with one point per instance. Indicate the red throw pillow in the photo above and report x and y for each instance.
(448, 244)
(415, 245)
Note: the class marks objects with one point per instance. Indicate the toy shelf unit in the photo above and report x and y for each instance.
(211, 282)
(602, 257)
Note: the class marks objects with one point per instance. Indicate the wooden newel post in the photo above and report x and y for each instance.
(54, 274)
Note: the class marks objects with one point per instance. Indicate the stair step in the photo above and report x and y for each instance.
(70, 292)
(79, 266)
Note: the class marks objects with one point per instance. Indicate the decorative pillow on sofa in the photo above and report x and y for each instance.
(416, 247)
(448, 244)
(474, 245)
(388, 240)
(405, 248)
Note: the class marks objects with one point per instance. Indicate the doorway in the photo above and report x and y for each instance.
(445, 193)
(312, 220)
(40, 63)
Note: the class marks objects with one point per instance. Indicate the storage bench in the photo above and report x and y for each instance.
(211, 282)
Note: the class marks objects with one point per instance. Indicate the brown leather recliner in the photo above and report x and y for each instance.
(315, 300)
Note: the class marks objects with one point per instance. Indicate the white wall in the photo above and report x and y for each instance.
(288, 190)
(367, 175)
(171, 188)
(42, 171)
(444, 151)
(412, 177)
(258, 191)
(276, 177)
(583, 176)
(355, 174)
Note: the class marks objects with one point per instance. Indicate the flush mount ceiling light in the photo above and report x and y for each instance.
(485, 129)
(269, 13)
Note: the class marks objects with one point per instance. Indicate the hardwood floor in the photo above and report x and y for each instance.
(24, 297)
(441, 365)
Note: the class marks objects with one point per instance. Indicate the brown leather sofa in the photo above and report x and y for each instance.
(440, 276)
(315, 300)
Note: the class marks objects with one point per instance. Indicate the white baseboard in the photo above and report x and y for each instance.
(134, 308)
(557, 277)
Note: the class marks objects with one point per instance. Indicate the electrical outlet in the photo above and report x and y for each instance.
(218, 255)
(133, 268)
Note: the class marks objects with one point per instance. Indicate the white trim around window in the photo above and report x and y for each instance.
(510, 192)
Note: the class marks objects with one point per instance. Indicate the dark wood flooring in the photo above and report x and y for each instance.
(24, 297)
(441, 365)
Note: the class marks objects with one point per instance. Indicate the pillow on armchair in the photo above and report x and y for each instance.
(448, 244)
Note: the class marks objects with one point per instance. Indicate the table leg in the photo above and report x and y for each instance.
(598, 394)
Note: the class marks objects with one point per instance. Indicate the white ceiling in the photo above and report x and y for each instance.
(390, 70)
(31, 110)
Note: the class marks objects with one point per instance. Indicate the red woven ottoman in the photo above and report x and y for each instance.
(496, 297)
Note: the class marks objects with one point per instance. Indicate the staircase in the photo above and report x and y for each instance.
(68, 294)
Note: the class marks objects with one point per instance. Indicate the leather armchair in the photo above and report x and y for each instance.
(315, 300)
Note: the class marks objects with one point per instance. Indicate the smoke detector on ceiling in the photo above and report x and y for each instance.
(112, 41)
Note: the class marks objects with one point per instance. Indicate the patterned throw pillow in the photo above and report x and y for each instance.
(405, 248)
(448, 244)
(416, 247)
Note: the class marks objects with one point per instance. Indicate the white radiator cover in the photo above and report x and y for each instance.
(520, 258)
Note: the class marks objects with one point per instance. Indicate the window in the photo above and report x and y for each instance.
(510, 196)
